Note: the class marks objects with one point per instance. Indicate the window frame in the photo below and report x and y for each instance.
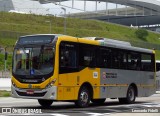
(69, 69)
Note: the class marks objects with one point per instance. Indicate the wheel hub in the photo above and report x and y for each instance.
(131, 94)
(84, 97)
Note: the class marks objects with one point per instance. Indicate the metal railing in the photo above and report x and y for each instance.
(5, 74)
(11, 34)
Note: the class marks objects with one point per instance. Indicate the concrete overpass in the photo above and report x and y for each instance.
(139, 13)
(148, 4)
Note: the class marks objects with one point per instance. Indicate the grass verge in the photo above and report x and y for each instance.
(4, 93)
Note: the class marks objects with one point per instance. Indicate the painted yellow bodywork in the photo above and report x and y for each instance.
(34, 86)
(70, 83)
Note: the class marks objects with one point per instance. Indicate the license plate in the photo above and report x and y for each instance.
(30, 92)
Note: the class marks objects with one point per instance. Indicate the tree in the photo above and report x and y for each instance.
(141, 33)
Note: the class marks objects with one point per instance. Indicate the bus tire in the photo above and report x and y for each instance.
(45, 103)
(122, 100)
(84, 97)
(131, 96)
(98, 101)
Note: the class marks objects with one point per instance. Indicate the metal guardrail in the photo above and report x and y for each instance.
(5, 74)
(145, 45)
(11, 34)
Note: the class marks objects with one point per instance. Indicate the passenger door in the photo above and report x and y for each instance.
(68, 69)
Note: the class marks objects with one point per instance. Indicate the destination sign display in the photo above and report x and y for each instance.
(38, 39)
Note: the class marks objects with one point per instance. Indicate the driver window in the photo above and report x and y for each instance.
(68, 56)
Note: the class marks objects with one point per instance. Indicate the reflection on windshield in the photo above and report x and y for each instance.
(33, 61)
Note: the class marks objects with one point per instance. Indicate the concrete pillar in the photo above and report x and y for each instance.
(84, 5)
(143, 10)
(106, 8)
(126, 10)
(96, 5)
(135, 13)
(116, 9)
(72, 3)
(151, 12)
(59, 1)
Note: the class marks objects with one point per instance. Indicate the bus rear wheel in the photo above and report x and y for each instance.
(45, 103)
(131, 96)
(84, 98)
(98, 101)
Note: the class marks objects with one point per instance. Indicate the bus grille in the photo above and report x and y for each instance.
(31, 95)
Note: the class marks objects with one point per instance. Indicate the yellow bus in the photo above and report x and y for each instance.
(50, 67)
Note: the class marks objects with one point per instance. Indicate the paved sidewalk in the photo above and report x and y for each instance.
(5, 84)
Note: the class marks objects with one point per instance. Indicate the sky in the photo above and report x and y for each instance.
(90, 6)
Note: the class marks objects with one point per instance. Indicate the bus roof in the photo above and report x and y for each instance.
(118, 44)
(102, 42)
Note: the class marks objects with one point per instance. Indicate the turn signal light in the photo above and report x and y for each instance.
(51, 83)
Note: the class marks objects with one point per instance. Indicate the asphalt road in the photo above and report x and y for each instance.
(148, 105)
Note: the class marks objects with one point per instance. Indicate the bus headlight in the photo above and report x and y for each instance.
(13, 84)
(51, 83)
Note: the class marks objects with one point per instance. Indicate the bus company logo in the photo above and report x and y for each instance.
(109, 75)
(6, 111)
(104, 75)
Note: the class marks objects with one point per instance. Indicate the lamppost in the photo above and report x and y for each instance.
(5, 57)
(64, 19)
(50, 25)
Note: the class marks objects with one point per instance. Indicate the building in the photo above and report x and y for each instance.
(141, 13)
(22, 6)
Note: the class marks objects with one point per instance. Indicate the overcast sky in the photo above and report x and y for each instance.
(90, 6)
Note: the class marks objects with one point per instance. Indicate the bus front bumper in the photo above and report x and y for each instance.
(49, 93)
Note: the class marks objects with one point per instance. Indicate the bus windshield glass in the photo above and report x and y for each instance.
(33, 60)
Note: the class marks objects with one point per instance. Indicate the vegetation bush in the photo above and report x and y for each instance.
(141, 33)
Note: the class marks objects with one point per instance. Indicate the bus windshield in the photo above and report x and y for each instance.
(33, 60)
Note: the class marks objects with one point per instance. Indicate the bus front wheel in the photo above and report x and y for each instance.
(131, 96)
(83, 97)
(45, 103)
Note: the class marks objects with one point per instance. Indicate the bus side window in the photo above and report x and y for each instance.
(119, 59)
(64, 58)
(134, 61)
(68, 57)
(148, 62)
(157, 66)
(122, 56)
(87, 55)
(104, 58)
(115, 60)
